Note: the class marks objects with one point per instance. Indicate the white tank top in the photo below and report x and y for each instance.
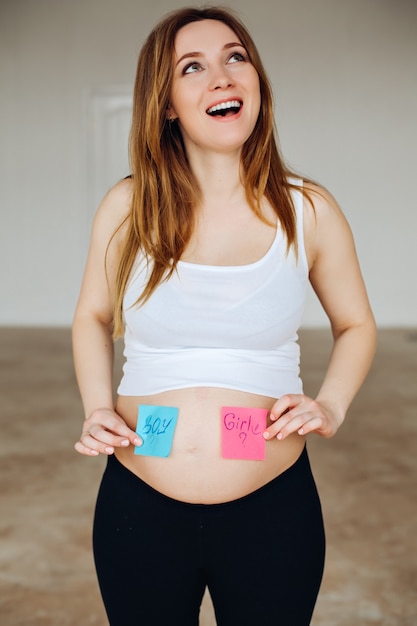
(232, 327)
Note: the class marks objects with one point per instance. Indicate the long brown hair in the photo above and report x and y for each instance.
(165, 190)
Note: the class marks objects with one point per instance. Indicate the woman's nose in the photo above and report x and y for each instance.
(221, 79)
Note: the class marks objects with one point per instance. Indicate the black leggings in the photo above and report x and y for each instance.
(261, 556)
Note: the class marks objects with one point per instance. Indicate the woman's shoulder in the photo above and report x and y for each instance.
(317, 199)
(117, 201)
(114, 209)
(320, 205)
(324, 221)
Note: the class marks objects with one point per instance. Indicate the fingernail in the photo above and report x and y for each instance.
(265, 435)
(125, 442)
(109, 450)
(137, 441)
(279, 436)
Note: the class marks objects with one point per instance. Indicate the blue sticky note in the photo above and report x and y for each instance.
(156, 427)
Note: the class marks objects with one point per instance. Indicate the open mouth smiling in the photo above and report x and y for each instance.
(224, 109)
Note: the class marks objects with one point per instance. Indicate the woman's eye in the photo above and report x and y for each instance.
(191, 67)
(236, 56)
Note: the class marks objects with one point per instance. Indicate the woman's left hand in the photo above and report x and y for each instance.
(297, 413)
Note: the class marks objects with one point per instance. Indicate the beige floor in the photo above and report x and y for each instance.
(367, 476)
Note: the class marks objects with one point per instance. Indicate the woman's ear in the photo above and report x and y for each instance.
(171, 116)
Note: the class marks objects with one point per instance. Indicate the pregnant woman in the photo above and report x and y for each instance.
(201, 258)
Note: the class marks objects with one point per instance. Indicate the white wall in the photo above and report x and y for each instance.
(345, 79)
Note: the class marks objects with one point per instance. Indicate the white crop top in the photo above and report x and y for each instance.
(232, 327)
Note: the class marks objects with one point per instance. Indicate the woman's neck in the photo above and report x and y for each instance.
(219, 178)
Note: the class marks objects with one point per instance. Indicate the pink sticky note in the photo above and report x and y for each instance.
(242, 430)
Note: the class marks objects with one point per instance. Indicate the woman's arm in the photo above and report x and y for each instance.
(336, 278)
(103, 429)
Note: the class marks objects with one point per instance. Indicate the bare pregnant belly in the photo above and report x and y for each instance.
(195, 470)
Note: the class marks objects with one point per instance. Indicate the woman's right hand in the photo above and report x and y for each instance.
(104, 431)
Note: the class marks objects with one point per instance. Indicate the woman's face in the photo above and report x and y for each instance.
(215, 90)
